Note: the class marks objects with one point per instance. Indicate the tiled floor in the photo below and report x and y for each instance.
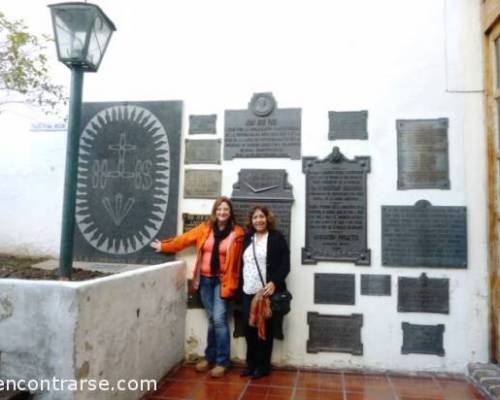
(184, 383)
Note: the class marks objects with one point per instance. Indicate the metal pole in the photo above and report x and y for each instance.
(71, 174)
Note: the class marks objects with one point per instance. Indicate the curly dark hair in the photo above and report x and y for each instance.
(270, 218)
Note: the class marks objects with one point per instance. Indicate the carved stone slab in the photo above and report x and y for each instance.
(193, 299)
(424, 236)
(262, 130)
(192, 220)
(348, 125)
(422, 339)
(335, 333)
(202, 183)
(336, 216)
(264, 186)
(334, 289)
(423, 154)
(375, 285)
(202, 124)
(424, 294)
(203, 151)
(128, 180)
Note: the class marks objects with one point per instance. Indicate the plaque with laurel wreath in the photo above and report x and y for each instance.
(128, 180)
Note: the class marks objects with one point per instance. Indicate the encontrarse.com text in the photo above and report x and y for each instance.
(81, 385)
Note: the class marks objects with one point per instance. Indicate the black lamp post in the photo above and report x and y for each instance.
(82, 33)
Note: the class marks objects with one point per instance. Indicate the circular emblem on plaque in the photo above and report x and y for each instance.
(262, 104)
(123, 179)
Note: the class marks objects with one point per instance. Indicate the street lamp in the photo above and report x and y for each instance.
(82, 32)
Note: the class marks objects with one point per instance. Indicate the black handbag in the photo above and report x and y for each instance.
(280, 301)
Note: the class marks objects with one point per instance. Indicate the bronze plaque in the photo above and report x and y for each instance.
(427, 295)
(336, 216)
(334, 289)
(375, 285)
(422, 339)
(202, 151)
(424, 236)
(192, 220)
(202, 184)
(423, 154)
(348, 125)
(262, 130)
(202, 124)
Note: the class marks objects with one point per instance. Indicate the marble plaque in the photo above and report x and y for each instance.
(202, 184)
(192, 220)
(424, 236)
(334, 289)
(422, 339)
(423, 154)
(336, 215)
(348, 125)
(128, 180)
(262, 130)
(202, 124)
(202, 151)
(335, 333)
(264, 186)
(375, 285)
(193, 299)
(428, 295)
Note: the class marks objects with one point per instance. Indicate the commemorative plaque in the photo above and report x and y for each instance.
(202, 124)
(193, 299)
(423, 154)
(429, 295)
(192, 220)
(348, 125)
(335, 333)
(422, 339)
(264, 186)
(334, 289)
(128, 180)
(336, 217)
(262, 130)
(424, 236)
(202, 151)
(202, 184)
(375, 285)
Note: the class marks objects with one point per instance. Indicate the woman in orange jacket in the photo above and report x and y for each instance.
(219, 244)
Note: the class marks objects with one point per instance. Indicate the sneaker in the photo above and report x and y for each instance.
(202, 366)
(218, 371)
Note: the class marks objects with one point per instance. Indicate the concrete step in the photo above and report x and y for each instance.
(486, 377)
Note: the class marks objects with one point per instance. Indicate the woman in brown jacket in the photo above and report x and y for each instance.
(219, 243)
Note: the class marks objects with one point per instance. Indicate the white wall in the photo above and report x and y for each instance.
(396, 59)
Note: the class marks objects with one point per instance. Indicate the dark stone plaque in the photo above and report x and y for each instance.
(264, 186)
(423, 154)
(422, 339)
(192, 220)
(262, 130)
(193, 299)
(336, 217)
(424, 236)
(375, 285)
(202, 184)
(424, 294)
(335, 333)
(202, 151)
(128, 180)
(334, 289)
(348, 125)
(202, 124)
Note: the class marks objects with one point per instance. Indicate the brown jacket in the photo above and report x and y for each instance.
(229, 272)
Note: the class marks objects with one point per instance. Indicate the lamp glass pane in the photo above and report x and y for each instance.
(72, 26)
(99, 37)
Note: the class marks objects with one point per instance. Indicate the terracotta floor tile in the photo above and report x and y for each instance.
(310, 394)
(416, 386)
(277, 378)
(187, 372)
(218, 391)
(370, 395)
(178, 389)
(360, 382)
(459, 390)
(268, 393)
(320, 381)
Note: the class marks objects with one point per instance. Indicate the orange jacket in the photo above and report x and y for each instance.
(229, 272)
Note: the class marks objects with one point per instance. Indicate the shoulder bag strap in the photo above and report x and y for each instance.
(256, 262)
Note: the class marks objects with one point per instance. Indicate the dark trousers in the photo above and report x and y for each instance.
(258, 351)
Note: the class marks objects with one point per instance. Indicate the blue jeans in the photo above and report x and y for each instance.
(218, 341)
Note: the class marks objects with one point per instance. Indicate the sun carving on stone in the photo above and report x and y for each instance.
(123, 179)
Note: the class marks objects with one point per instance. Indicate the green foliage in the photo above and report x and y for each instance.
(24, 74)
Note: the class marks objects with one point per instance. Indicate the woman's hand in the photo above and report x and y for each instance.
(156, 244)
(269, 289)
